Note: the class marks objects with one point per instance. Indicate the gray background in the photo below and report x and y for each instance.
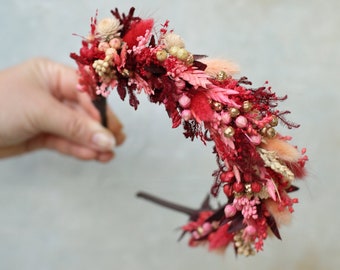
(60, 213)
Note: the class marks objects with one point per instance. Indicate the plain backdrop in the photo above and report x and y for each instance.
(60, 213)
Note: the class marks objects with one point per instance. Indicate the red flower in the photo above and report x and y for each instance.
(137, 29)
(220, 239)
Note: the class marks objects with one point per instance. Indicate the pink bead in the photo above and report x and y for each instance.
(225, 118)
(229, 210)
(207, 228)
(184, 101)
(241, 121)
(186, 115)
(256, 139)
(115, 43)
(103, 46)
(250, 230)
(196, 235)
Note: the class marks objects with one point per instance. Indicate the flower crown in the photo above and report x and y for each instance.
(256, 164)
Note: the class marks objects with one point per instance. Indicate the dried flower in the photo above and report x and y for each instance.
(172, 40)
(108, 28)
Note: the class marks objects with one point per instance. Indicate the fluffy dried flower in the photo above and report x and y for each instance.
(214, 66)
(173, 40)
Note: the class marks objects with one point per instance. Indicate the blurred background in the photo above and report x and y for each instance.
(60, 213)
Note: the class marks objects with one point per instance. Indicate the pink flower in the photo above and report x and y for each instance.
(247, 207)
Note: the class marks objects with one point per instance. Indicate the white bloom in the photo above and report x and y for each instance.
(108, 28)
(173, 40)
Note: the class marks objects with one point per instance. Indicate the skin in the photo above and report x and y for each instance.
(42, 108)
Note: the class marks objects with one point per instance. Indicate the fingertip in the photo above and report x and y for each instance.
(105, 157)
(120, 137)
(104, 141)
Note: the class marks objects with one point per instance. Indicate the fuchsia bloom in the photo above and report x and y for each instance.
(256, 165)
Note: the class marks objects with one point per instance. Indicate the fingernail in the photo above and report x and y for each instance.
(104, 141)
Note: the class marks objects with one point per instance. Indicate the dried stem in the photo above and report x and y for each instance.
(100, 103)
(180, 208)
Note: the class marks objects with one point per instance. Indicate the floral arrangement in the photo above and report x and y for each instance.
(257, 166)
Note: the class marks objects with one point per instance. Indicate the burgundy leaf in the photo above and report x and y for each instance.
(199, 56)
(200, 65)
(236, 224)
(156, 70)
(121, 90)
(176, 119)
(152, 42)
(292, 188)
(133, 99)
(273, 226)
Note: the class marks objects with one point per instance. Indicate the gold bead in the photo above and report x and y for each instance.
(229, 132)
(248, 188)
(161, 55)
(234, 112)
(200, 230)
(215, 224)
(182, 54)
(190, 59)
(221, 76)
(271, 132)
(217, 106)
(125, 72)
(263, 131)
(247, 106)
(173, 50)
(274, 122)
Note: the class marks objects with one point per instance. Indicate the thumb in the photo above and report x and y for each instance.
(77, 127)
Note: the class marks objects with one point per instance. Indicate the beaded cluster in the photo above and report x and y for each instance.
(256, 165)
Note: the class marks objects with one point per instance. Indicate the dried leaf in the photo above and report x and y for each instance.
(273, 226)
(121, 90)
(197, 78)
(271, 188)
(236, 224)
(155, 70)
(292, 189)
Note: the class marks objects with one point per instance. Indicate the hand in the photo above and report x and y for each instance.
(41, 108)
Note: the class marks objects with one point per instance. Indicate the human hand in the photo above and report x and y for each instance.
(41, 108)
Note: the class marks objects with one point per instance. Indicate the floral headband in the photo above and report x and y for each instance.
(256, 166)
